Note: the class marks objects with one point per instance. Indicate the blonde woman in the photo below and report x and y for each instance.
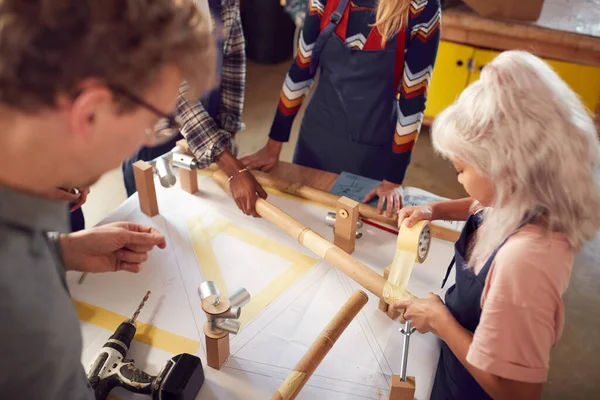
(526, 151)
(376, 59)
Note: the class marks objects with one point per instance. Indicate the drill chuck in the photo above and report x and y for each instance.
(121, 339)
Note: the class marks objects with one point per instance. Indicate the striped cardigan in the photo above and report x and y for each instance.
(421, 45)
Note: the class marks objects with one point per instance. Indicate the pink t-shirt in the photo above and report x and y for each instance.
(522, 309)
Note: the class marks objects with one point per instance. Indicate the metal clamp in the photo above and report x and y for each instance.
(331, 217)
(163, 165)
(222, 314)
(406, 331)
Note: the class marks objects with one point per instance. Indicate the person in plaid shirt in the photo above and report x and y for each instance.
(210, 124)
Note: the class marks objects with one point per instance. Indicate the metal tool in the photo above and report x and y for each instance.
(331, 217)
(180, 379)
(221, 314)
(406, 331)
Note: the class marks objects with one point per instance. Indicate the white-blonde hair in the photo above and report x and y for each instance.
(523, 127)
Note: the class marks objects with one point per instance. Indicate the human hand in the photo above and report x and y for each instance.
(426, 314)
(265, 159)
(112, 247)
(245, 190)
(414, 214)
(83, 194)
(387, 192)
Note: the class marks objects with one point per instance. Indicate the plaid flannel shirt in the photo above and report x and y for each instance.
(206, 137)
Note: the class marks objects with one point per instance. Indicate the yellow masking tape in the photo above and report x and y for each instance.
(205, 255)
(290, 385)
(147, 334)
(201, 242)
(412, 246)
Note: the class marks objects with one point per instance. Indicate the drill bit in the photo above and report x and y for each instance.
(137, 312)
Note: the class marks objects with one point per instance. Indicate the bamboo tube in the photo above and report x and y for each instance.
(329, 199)
(341, 260)
(302, 372)
(320, 196)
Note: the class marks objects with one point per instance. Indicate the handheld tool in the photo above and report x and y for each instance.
(180, 379)
(406, 331)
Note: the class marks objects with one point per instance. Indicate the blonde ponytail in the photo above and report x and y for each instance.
(391, 15)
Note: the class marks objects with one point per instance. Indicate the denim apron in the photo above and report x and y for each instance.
(350, 121)
(211, 103)
(463, 300)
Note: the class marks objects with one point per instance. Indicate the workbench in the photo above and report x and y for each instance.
(567, 36)
(294, 293)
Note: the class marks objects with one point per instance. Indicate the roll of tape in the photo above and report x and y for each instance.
(416, 239)
(412, 246)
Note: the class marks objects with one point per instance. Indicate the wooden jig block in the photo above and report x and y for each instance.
(189, 180)
(402, 390)
(144, 181)
(217, 347)
(345, 224)
(393, 314)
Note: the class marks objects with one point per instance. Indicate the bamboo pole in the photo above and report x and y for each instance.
(302, 372)
(341, 260)
(329, 199)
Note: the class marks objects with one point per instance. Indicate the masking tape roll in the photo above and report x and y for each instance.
(412, 246)
(416, 239)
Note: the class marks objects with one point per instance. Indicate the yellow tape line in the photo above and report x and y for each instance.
(209, 266)
(147, 334)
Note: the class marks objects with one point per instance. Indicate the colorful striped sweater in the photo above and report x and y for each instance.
(422, 40)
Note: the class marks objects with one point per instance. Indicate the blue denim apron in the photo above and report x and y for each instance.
(350, 121)
(211, 103)
(463, 299)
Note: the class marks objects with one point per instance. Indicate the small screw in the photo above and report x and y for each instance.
(216, 301)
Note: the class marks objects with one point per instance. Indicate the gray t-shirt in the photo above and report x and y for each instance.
(40, 336)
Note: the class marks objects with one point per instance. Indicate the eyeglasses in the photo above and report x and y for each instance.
(167, 126)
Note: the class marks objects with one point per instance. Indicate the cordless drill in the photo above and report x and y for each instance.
(180, 379)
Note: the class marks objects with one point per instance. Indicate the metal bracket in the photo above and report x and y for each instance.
(222, 314)
(331, 217)
(163, 165)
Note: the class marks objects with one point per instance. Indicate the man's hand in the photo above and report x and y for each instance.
(265, 159)
(387, 192)
(245, 190)
(425, 314)
(112, 247)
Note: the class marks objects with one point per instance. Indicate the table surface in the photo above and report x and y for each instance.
(265, 351)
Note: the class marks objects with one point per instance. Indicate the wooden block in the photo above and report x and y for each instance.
(393, 314)
(189, 180)
(345, 224)
(383, 306)
(144, 181)
(217, 347)
(184, 145)
(402, 390)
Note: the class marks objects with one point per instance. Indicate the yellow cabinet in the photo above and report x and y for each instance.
(458, 65)
(450, 76)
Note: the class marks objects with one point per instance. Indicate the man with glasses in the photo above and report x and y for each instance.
(82, 84)
(209, 124)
